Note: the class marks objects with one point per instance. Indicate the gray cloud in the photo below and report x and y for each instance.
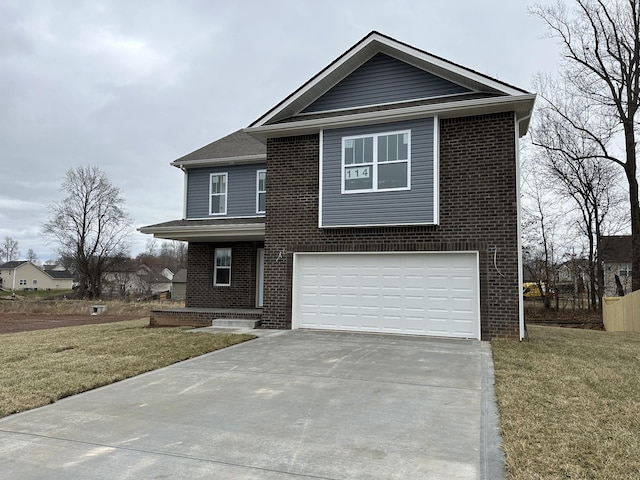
(130, 86)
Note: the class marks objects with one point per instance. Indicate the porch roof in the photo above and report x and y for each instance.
(218, 230)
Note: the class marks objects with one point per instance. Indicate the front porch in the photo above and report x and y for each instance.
(201, 317)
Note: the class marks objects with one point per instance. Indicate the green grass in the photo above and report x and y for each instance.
(569, 402)
(40, 367)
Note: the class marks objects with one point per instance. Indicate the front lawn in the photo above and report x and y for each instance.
(40, 367)
(569, 403)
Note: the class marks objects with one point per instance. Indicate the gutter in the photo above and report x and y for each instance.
(205, 162)
(521, 104)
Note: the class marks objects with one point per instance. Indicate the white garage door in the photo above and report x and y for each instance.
(411, 293)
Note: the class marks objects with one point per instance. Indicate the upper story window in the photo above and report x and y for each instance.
(218, 194)
(625, 270)
(261, 191)
(376, 162)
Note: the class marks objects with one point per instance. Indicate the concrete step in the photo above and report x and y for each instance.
(235, 323)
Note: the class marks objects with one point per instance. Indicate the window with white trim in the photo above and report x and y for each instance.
(261, 191)
(625, 270)
(218, 194)
(222, 267)
(377, 162)
(23, 283)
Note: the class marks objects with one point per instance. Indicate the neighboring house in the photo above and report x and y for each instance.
(179, 285)
(381, 196)
(573, 276)
(615, 255)
(24, 275)
(166, 273)
(131, 277)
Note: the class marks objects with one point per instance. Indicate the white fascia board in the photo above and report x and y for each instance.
(521, 104)
(206, 231)
(368, 47)
(457, 70)
(320, 77)
(206, 162)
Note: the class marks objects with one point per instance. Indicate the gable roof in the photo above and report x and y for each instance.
(500, 95)
(615, 249)
(237, 147)
(154, 277)
(59, 274)
(181, 276)
(12, 264)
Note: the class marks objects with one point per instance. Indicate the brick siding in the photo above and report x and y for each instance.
(478, 211)
(201, 293)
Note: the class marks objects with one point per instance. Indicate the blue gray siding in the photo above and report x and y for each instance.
(241, 190)
(383, 79)
(413, 206)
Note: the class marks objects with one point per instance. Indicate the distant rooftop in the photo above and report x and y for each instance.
(615, 249)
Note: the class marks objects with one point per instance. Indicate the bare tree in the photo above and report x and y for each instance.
(540, 223)
(151, 247)
(600, 43)
(32, 256)
(90, 226)
(172, 255)
(9, 249)
(578, 175)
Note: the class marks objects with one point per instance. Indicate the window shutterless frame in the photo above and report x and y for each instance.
(222, 267)
(376, 162)
(218, 186)
(261, 191)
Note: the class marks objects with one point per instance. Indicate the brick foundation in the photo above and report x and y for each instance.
(195, 317)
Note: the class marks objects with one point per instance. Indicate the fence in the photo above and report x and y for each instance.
(622, 314)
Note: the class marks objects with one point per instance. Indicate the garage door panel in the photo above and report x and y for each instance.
(412, 293)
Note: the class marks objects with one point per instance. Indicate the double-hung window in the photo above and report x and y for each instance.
(218, 194)
(261, 191)
(625, 270)
(377, 162)
(222, 267)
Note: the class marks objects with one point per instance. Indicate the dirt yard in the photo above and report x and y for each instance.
(24, 322)
(536, 314)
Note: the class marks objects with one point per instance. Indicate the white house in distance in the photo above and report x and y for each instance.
(24, 275)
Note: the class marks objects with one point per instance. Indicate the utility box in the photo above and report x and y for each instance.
(98, 309)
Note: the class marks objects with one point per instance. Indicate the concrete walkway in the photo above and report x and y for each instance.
(290, 405)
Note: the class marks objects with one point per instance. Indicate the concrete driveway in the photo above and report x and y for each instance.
(291, 405)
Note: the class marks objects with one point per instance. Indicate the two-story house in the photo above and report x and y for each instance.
(380, 196)
(615, 257)
(25, 275)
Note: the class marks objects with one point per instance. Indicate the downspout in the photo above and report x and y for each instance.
(184, 196)
(522, 326)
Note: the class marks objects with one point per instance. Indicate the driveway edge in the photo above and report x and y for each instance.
(493, 463)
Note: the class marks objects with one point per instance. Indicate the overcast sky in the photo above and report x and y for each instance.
(130, 85)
